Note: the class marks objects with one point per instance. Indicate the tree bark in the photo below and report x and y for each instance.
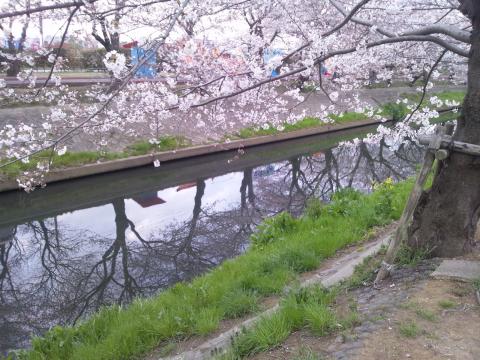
(14, 68)
(446, 217)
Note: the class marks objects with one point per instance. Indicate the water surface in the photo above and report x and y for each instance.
(74, 246)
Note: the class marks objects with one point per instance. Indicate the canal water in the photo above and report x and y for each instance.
(73, 247)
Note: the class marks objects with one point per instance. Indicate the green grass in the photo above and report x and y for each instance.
(310, 308)
(238, 303)
(408, 256)
(384, 84)
(476, 284)
(234, 288)
(165, 143)
(347, 117)
(448, 95)
(446, 304)
(305, 353)
(69, 159)
(305, 123)
(364, 273)
(393, 111)
(78, 158)
(420, 311)
(409, 329)
(451, 95)
(400, 111)
(425, 314)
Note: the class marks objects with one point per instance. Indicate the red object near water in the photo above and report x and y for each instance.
(148, 199)
(186, 186)
(130, 45)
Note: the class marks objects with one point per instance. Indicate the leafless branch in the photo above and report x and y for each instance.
(38, 9)
(62, 41)
(425, 85)
(347, 18)
(356, 20)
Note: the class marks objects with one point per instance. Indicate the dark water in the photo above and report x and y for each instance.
(72, 247)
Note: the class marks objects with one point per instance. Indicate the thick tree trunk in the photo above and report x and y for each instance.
(14, 68)
(446, 218)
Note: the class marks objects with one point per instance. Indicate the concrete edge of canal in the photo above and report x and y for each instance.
(340, 270)
(194, 151)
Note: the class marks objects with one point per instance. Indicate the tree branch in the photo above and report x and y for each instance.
(453, 32)
(416, 38)
(360, 21)
(46, 8)
(425, 85)
(62, 41)
(154, 48)
(347, 18)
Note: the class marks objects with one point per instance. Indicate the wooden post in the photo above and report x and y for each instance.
(441, 154)
(457, 146)
(400, 235)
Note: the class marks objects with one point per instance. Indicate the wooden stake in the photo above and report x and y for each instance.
(401, 234)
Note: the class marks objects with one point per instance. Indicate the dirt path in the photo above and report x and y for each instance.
(442, 321)
(412, 317)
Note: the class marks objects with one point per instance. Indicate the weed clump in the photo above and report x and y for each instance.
(446, 304)
(476, 284)
(274, 228)
(311, 308)
(409, 329)
(408, 256)
(305, 353)
(314, 208)
(239, 303)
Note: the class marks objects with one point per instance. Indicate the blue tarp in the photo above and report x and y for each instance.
(16, 43)
(269, 54)
(149, 69)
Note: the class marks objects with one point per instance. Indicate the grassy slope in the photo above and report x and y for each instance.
(456, 96)
(390, 110)
(306, 123)
(78, 158)
(312, 308)
(282, 248)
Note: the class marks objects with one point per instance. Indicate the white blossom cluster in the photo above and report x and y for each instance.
(224, 65)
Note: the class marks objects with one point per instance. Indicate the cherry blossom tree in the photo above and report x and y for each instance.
(213, 93)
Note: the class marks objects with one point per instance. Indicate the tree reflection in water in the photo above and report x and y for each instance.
(54, 273)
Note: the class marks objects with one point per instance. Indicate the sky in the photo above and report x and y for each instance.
(214, 30)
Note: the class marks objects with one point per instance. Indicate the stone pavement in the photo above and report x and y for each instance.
(460, 270)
